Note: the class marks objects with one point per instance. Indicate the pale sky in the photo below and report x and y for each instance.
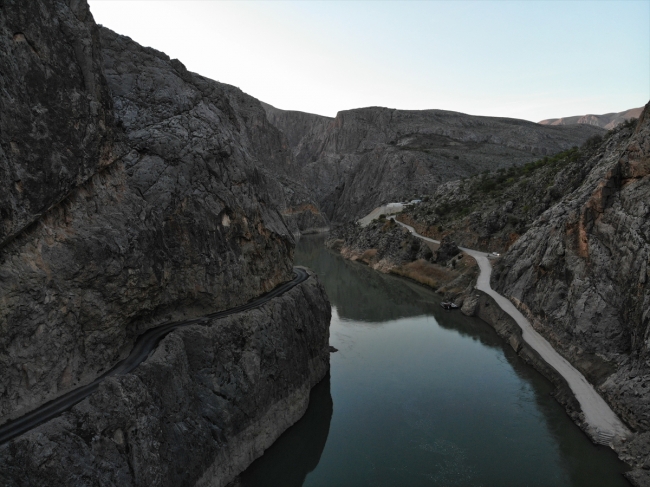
(523, 59)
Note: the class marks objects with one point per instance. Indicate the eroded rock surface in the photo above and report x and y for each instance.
(581, 273)
(181, 224)
(208, 402)
(55, 109)
(183, 219)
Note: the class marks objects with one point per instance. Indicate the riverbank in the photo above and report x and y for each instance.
(597, 419)
(457, 405)
(588, 409)
(387, 247)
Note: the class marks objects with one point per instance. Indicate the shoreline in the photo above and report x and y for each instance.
(601, 424)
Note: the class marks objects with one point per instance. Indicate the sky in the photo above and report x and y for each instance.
(523, 59)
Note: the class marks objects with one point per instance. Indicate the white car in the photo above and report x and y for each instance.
(495, 254)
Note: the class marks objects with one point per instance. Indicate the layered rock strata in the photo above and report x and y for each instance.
(367, 157)
(200, 409)
(581, 275)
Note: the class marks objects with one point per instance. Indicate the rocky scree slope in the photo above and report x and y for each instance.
(369, 156)
(581, 273)
(162, 209)
(490, 211)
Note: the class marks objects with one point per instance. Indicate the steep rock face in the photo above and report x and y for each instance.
(301, 211)
(305, 132)
(208, 401)
(55, 110)
(183, 222)
(582, 274)
(369, 156)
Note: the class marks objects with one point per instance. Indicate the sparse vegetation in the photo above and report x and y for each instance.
(490, 210)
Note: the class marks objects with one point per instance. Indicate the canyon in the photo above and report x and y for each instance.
(367, 157)
(135, 193)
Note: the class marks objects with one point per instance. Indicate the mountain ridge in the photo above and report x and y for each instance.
(607, 121)
(365, 157)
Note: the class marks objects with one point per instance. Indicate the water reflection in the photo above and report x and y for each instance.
(298, 451)
(381, 297)
(424, 397)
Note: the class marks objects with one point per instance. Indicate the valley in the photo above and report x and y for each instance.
(155, 330)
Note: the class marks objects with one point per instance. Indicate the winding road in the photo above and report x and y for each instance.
(143, 347)
(605, 425)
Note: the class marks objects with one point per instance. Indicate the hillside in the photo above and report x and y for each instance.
(575, 236)
(369, 156)
(607, 121)
(492, 210)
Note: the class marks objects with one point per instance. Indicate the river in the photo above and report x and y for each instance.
(418, 396)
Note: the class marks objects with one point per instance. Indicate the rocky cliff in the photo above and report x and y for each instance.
(370, 156)
(134, 192)
(581, 273)
(206, 403)
(607, 121)
(56, 120)
(301, 132)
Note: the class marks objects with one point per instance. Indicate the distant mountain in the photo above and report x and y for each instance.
(365, 157)
(607, 121)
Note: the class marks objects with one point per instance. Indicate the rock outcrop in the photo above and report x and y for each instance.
(370, 156)
(582, 273)
(607, 121)
(390, 248)
(137, 192)
(447, 250)
(207, 402)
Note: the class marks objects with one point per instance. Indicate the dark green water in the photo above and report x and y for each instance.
(418, 396)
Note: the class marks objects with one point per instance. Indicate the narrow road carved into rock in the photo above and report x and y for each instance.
(604, 424)
(144, 345)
